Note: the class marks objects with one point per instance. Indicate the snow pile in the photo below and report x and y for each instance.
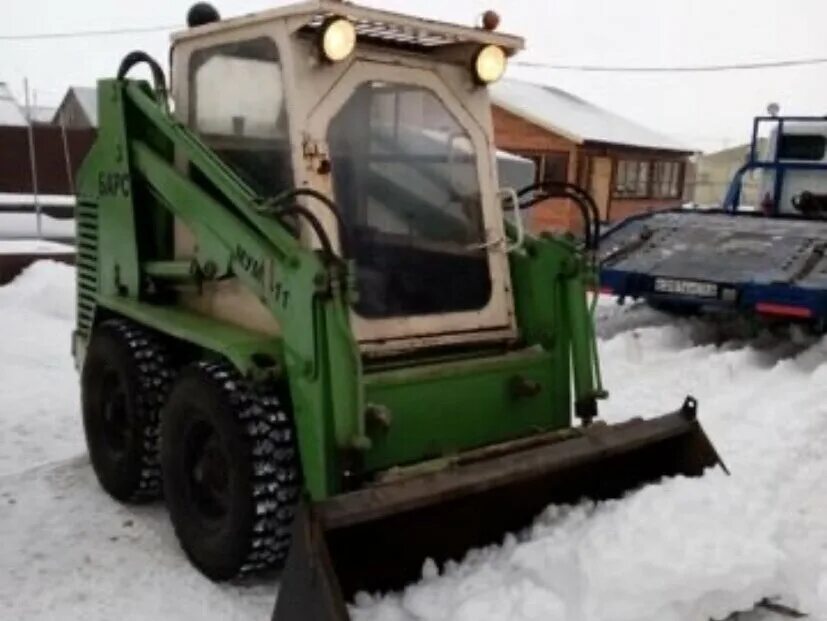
(45, 288)
(38, 394)
(686, 549)
(682, 550)
(615, 560)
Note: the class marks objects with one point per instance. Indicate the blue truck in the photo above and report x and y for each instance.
(766, 261)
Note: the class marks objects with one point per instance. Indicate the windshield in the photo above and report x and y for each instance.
(405, 175)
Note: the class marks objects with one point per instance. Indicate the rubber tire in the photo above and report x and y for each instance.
(258, 442)
(138, 359)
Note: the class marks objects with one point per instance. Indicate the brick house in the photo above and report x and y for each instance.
(626, 167)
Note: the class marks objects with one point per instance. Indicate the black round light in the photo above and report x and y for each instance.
(201, 14)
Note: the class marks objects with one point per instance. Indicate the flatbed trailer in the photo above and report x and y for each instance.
(715, 262)
(766, 263)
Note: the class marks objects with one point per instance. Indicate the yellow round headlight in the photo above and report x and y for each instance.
(490, 63)
(338, 39)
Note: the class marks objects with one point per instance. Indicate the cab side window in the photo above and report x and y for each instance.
(238, 108)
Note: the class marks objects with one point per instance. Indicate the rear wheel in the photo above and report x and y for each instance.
(231, 471)
(124, 382)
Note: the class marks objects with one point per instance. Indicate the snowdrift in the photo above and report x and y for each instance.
(681, 550)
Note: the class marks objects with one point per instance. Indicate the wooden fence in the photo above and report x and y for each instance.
(58, 154)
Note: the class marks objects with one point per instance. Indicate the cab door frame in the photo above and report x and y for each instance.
(494, 321)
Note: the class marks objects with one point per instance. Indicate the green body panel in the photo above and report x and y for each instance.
(146, 169)
(549, 282)
(443, 409)
(114, 194)
(240, 346)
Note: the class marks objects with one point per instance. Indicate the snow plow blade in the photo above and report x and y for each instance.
(377, 538)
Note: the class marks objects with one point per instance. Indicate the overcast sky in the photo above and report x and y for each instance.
(706, 111)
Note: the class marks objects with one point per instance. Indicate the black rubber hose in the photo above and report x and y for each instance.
(584, 212)
(313, 221)
(570, 187)
(159, 79)
(290, 195)
(549, 184)
(587, 201)
(584, 201)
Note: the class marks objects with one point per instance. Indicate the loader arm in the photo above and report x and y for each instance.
(132, 167)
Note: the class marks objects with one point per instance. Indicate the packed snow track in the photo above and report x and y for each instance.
(682, 550)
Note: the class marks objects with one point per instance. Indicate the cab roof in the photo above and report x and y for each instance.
(371, 24)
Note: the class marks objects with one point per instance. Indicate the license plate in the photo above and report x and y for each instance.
(686, 287)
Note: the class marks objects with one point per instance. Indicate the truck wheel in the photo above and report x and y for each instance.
(124, 381)
(231, 471)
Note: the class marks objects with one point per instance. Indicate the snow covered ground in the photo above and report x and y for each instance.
(66, 550)
(683, 550)
(38, 388)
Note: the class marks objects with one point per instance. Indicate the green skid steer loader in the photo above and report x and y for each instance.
(309, 317)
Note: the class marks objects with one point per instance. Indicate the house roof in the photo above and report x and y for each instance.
(88, 99)
(10, 112)
(565, 114)
(43, 114)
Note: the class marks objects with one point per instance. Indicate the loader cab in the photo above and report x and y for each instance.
(393, 123)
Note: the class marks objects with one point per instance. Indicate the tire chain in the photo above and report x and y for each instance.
(155, 376)
(275, 464)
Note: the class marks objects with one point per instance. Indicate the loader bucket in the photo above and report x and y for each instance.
(376, 539)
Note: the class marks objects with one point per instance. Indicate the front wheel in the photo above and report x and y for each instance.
(124, 382)
(231, 471)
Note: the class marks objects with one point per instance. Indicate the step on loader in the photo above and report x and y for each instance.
(311, 319)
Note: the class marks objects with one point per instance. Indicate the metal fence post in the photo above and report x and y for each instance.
(33, 160)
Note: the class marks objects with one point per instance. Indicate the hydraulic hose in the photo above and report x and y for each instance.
(313, 221)
(158, 78)
(585, 203)
(584, 212)
(276, 202)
